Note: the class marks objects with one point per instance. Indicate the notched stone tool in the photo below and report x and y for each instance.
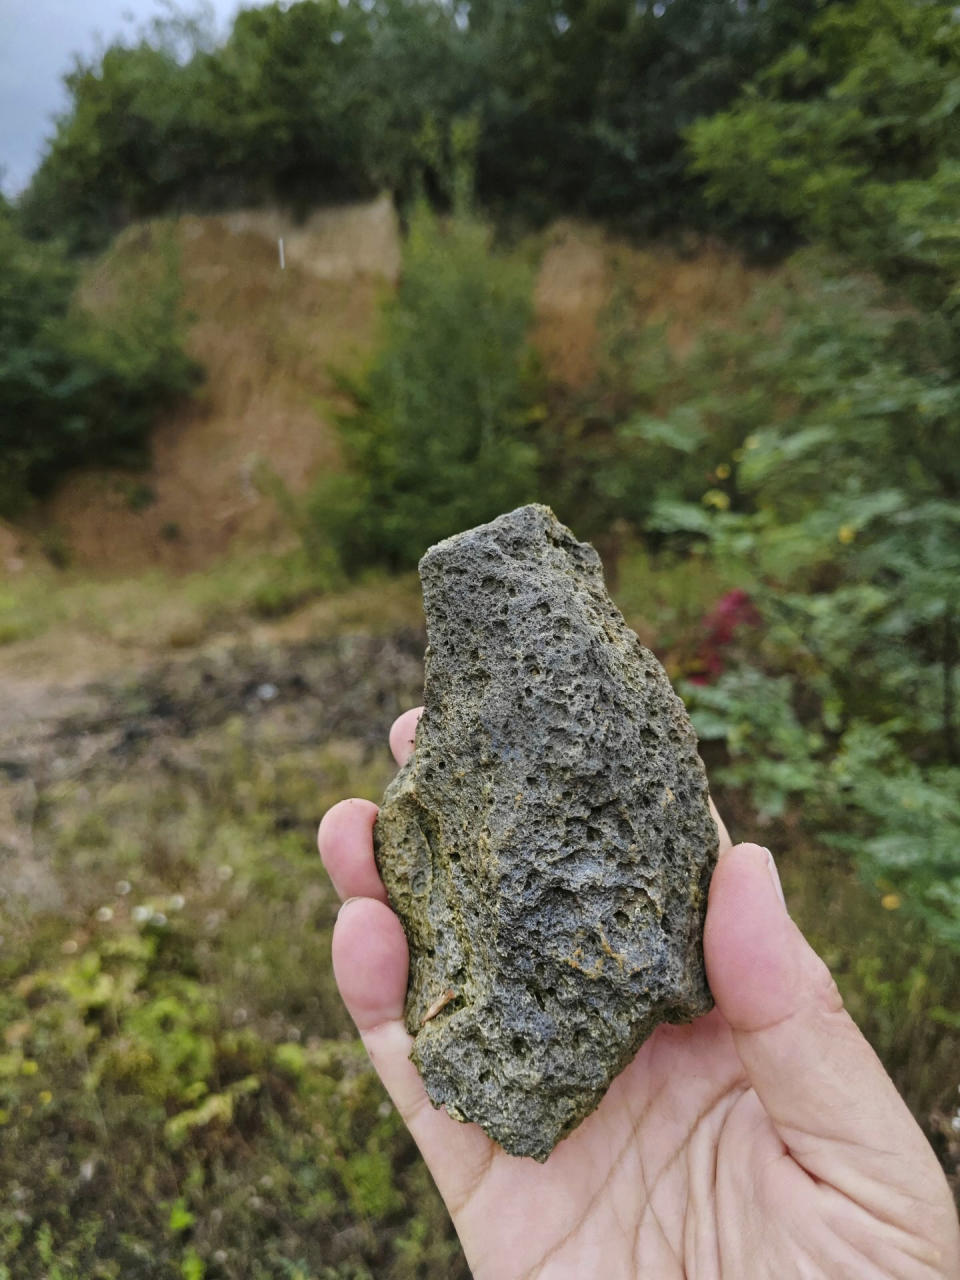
(548, 846)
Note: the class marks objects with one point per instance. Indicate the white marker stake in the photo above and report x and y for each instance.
(283, 265)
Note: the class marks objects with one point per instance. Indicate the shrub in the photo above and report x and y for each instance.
(80, 386)
(440, 435)
(839, 500)
(851, 136)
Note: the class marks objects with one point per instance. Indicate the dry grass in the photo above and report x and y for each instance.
(572, 286)
(72, 627)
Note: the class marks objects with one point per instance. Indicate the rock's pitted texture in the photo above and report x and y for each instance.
(548, 846)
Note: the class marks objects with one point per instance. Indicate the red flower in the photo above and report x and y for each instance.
(729, 615)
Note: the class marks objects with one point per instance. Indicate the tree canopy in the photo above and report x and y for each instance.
(580, 107)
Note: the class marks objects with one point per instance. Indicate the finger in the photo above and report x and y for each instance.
(402, 734)
(826, 1092)
(370, 962)
(345, 837)
(345, 841)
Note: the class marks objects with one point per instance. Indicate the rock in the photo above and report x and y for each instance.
(548, 846)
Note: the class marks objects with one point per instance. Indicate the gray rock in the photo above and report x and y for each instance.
(548, 846)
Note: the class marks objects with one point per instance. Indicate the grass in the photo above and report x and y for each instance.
(179, 1085)
(46, 612)
(662, 597)
(181, 1093)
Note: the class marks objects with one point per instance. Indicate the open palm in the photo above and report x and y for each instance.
(763, 1140)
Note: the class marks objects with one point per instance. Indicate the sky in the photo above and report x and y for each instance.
(37, 41)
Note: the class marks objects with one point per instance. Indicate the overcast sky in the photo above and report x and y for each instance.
(37, 40)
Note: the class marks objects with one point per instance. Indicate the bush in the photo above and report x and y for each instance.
(839, 500)
(848, 490)
(440, 436)
(76, 386)
(851, 137)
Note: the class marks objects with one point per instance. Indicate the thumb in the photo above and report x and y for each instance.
(833, 1105)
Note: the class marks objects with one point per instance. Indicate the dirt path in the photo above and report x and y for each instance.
(63, 741)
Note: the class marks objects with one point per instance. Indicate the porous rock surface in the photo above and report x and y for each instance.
(548, 846)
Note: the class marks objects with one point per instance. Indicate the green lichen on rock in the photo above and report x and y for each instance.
(549, 844)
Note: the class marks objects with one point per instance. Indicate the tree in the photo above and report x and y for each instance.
(852, 136)
(580, 108)
(585, 103)
(76, 387)
(440, 437)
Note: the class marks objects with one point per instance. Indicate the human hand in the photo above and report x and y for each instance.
(763, 1140)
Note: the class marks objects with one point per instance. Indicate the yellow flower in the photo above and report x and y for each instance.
(716, 498)
(723, 471)
(890, 901)
(28, 1067)
(45, 1096)
(846, 534)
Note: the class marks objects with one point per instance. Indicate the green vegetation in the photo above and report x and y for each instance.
(179, 1084)
(43, 611)
(439, 438)
(847, 496)
(180, 1092)
(79, 385)
(851, 136)
(579, 109)
(842, 509)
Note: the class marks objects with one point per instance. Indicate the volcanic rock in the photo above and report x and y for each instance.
(548, 846)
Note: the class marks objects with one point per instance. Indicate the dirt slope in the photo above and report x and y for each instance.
(267, 339)
(582, 267)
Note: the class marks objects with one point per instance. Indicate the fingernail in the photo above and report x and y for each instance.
(346, 903)
(774, 875)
